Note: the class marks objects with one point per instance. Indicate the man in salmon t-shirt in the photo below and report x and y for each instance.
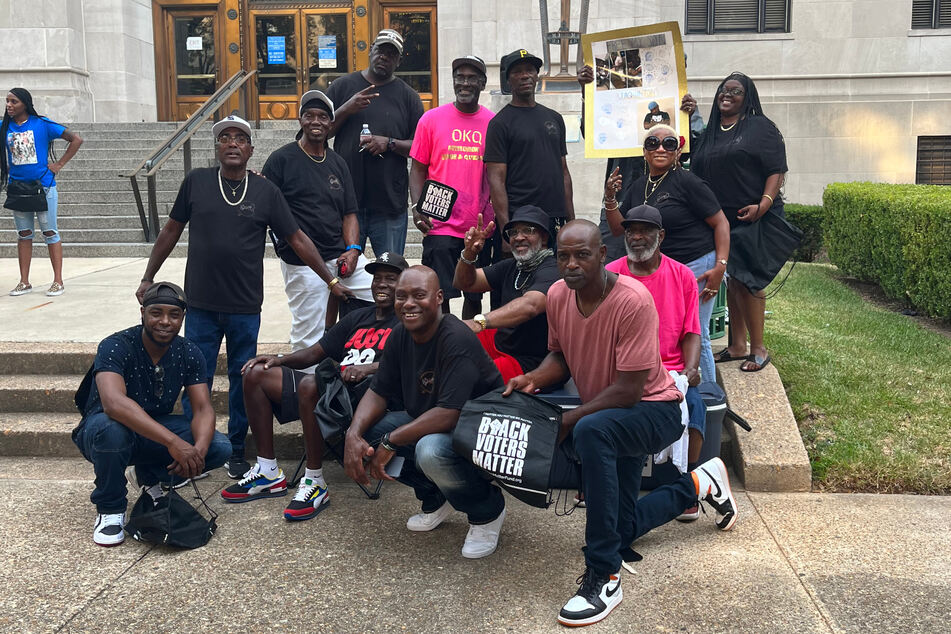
(448, 148)
(602, 328)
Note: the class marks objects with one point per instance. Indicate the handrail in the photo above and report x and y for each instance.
(181, 138)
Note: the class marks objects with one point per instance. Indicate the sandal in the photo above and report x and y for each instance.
(21, 289)
(724, 355)
(759, 361)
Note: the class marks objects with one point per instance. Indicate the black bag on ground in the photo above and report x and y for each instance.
(758, 250)
(335, 407)
(25, 196)
(512, 439)
(171, 521)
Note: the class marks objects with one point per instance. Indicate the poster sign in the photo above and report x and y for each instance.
(276, 51)
(327, 51)
(437, 200)
(193, 43)
(639, 79)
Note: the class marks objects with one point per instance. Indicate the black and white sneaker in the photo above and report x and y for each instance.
(714, 489)
(596, 597)
(109, 529)
(237, 468)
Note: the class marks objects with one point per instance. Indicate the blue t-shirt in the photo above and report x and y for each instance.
(28, 148)
(155, 387)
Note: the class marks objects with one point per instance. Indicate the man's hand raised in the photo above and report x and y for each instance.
(476, 237)
(360, 100)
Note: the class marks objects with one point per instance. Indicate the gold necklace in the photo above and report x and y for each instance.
(234, 191)
(604, 292)
(307, 154)
(652, 185)
(729, 127)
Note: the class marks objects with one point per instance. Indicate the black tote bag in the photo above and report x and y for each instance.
(758, 250)
(513, 440)
(25, 196)
(171, 521)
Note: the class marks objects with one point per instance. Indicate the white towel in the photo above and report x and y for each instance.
(677, 452)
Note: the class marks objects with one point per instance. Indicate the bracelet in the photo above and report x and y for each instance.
(145, 279)
(354, 246)
(333, 282)
(767, 196)
(472, 262)
(386, 444)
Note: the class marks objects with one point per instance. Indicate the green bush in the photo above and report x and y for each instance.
(809, 219)
(898, 236)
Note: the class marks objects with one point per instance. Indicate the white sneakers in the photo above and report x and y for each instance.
(596, 597)
(714, 489)
(481, 541)
(109, 529)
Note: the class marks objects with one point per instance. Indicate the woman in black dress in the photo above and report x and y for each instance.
(742, 157)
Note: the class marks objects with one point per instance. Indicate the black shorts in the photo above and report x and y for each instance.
(288, 410)
(441, 253)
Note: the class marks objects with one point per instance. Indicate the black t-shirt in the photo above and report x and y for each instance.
(446, 371)
(359, 338)
(738, 162)
(653, 119)
(319, 195)
(527, 342)
(684, 202)
(225, 267)
(531, 142)
(380, 184)
(154, 390)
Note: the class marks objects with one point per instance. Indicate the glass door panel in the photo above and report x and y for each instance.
(196, 70)
(327, 47)
(417, 25)
(276, 51)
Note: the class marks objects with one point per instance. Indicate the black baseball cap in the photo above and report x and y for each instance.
(386, 259)
(643, 213)
(517, 56)
(528, 214)
(164, 293)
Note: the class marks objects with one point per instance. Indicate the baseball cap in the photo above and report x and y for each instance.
(231, 121)
(471, 60)
(387, 260)
(528, 214)
(643, 213)
(389, 36)
(164, 293)
(322, 99)
(517, 56)
(653, 105)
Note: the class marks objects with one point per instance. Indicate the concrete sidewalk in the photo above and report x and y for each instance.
(794, 563)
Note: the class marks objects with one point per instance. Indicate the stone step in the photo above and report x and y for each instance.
(121, 195)
(109, 181)
(94, 235)
(120, 207)
(96, 250)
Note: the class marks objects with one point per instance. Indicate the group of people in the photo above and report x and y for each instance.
(631, 334)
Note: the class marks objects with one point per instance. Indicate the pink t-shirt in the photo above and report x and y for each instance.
(674, 289)
(620, 335)
(452, 143)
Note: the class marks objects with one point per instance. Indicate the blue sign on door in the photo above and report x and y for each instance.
(276, 52)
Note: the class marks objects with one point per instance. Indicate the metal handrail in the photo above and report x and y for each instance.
(181, 138)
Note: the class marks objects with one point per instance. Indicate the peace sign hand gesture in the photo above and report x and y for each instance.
(475, 238)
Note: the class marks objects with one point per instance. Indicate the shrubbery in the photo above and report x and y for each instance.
(809, 219)
(898, 236)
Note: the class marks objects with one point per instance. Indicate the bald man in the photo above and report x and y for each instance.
(602, 328)
(432, 364)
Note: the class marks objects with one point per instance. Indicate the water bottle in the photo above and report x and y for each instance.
(364, 136)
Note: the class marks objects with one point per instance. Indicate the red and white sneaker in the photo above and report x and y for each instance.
(255, 486)
(309, 500)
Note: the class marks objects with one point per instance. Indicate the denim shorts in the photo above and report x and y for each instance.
(46, 219)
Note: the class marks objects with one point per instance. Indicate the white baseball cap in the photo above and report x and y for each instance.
(231, 121)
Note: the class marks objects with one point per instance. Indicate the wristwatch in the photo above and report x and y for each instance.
(482, 320)
(723, 262)
(390, 144)
(386, 444)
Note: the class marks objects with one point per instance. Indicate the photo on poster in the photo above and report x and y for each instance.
(640, 78)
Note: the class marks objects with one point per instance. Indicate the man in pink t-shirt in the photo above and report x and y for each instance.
(448, 148)
(602, 328)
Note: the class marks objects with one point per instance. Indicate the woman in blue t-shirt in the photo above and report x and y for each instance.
(26, 154)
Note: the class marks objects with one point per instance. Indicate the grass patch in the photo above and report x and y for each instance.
(870, 389)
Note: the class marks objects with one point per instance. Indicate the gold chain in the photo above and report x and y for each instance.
(307, 154)
(653, 185)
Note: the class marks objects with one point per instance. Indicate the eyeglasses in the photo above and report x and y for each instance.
(467, 80)
(733, 92)
(527, 230)
(669, 143)
(240, 139)
(158, 388)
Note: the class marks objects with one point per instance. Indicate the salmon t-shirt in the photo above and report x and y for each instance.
(619, 336)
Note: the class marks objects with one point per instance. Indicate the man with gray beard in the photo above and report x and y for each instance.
(516, 333)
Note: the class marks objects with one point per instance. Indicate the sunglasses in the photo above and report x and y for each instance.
(158, 388)
(670, 143)
(733, 92)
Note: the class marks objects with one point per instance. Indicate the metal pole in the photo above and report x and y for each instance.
(153, 210)
(543, 9)
(187, 156)
(582, 28)
(141, 208)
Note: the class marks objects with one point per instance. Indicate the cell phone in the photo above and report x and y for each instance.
(394, 467)
(342, 269)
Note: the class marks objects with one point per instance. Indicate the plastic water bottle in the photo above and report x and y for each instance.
(364, 136)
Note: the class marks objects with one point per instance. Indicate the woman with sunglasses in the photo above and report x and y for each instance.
(697, 233)
(742, 157)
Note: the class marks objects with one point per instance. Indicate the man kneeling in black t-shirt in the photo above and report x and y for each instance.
(273, 389)
(433, 364)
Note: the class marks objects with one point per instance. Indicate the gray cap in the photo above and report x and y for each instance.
(316, 95)
(389, 36)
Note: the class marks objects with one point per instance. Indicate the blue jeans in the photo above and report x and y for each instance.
(24, 220)
(696, 410)
(387, 232)
(111, 447)
(437, 473)
(708, 370)
(612, 445)
(205, 329)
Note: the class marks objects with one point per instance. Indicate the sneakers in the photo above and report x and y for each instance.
(423, 522)
(56, 289)
(109, 529)
(596, 597)
(690, 515)
(483, 539)
(714, 485)
(237, 468)
(309, 500)
(21, 289)
(184, 483)
(255, 486)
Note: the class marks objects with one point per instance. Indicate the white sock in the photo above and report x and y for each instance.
(155, 491)
(316, 476)
(268, 467)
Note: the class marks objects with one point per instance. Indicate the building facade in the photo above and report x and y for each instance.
(861, 89)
